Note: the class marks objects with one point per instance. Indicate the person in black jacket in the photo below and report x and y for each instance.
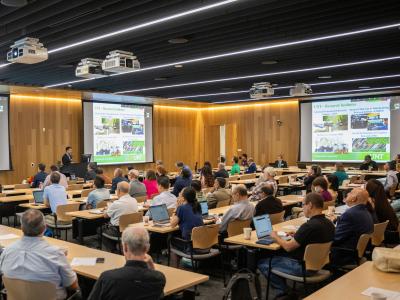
(67, 157)
(268, 203)
(280, 163)
(369, 164)
(221, 171)
(40, 177)
(314, 172)
(91, 171)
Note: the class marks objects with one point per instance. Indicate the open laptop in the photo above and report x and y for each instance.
(263, 229)
(159, 214)
(38, 197)
(204, 211)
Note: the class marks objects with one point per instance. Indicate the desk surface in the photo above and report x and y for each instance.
(19, 192)
(355, 282)
(20, 198)
(177, 280)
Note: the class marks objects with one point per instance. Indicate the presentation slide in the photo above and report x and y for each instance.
(348, 129)
(5, 163)
(118, 133)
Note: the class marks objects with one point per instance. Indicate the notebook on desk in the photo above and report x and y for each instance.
(263, 227)
(159, 214)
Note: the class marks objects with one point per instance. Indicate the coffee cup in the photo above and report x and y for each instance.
(247, 233)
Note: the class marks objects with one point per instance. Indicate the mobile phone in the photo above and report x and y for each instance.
(100, 260)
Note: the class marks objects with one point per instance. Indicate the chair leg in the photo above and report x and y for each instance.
(223, 269)
(268, 278)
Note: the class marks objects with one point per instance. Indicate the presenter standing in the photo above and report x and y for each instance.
(67, 157)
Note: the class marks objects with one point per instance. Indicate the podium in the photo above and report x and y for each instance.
(78, 169)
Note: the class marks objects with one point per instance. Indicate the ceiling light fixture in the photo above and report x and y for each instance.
(264, 75)
(178, 41)
(178, 66)
(325, 77)
(269, 62)
(250, 50)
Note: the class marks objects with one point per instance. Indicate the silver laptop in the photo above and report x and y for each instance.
(38, 197)
(263, 229)
(159, 214)
(204, 211)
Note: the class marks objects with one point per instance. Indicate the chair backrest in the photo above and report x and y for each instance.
(22, 186)
(74, 187)
(362, 244)
(248, 176)
(283, 179)
(329, 203)
(62, 209)
(316, 256)
(86, 192)
(277, 218)
(141, 199)
(126, 220)
(392, 190)
(102, 204)
(70, 182)
(236, 227)
(28, 290)
(224, 202)
(379, 233)
(234, 177)
(204, 237)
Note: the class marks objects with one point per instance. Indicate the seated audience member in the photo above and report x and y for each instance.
(137, 277)
(235, 167)
(196, 185)
(40, 176)
(391, 177)
(99, 194)
(218, 193)
(340, 173)
(242, 209)
(91, 171)
(54, 195)
(33, 259)
(333, 186)
(266, 177)
(244, 162)
(320, 186)
(136, 188)
(151, 184)
(280, 163)
(126, 176)
(118, 177)
(269, 204)
(313, 173)
(165, 196)
(252, 167)
(354, 222)
(318, 229)
(161, 171)
(182, 181)
(222, 159)
(221, 171)
(369, 164)
(207, 177)
(181, 166)
(100, 172)
(63, 178)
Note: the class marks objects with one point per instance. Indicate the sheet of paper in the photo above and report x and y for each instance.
(9, 236)
(83, 261)
(390, 295)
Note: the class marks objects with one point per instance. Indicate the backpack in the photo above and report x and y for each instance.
(244, 285)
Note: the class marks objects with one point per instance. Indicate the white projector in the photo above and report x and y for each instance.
(90, 68)
(300, 89)
(261, 90)
(120, 61)
(27, 51)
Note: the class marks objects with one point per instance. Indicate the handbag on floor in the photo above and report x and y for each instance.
(386, 259)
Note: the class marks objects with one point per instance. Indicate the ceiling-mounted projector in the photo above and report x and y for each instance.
(261, 90)
(300, 89)
(90, 68)
(120, 61)
(27, 51)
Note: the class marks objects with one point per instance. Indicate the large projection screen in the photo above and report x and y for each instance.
(347, 129)
(118, 133)
(5, 161)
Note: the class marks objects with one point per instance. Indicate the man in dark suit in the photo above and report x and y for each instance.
(354, 222)
(221, 171)
(67, 157)
(369, 164)
(252, 166)
(40, 177)
(280, 163)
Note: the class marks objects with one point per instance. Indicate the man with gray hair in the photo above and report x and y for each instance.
(137, 278)
(32, 258)
(136, 188)
(222, 172)
(266, 177)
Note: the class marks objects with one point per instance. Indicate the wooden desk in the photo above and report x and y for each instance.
(176, 279)
(42, 206)
(157, 229)
(8, 187)
(19, 198)
(19, 192)
(352, 284)
(244, 181)
(73, 193)
(291, 199)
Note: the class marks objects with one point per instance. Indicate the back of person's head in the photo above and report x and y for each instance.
(133, 174)
(99, 171)
(53, 168)
(207, 163)
(376, 191)
(251, 160)
(151, 175)
(269, 171)
(280, 156)
(42, 167)
(221, 182)
(221, 166)
(179, 164)
(92, 166)
(163, 181)
(222, 159)
(358, 196)
(316, 170)
(55, 177)
(368, 157)
(123, 187)
(118, 172)
(196, 184)
(268, 189)
(339, 167)
(68, 148)
(321, 182)
(206, 171)
(241, 190)
(185, 173)
(333, 182)
(235, 159)
(189, 194)
(136, 241)
(244, 155)
(130, 168)
(99, 182)
(315, 199)
(392, 165)
(32, 223)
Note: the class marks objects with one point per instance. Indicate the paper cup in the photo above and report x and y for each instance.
(247, 233)
(378, 296)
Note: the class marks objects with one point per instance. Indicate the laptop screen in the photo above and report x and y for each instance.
(38, 196)
(204, 208)
(263, 225)
(159, 213)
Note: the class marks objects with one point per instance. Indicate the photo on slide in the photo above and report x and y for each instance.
(110, 148)
(359, 121)
(332, 123)
(107, 126)
(132, 126)
(373, 144)
(331, 145)
(375, 122)
(133, 147)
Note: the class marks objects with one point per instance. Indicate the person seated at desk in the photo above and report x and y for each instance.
(242, 209)
(340, 173)
(221, 171)
(137, 277)
(252, 167)
(391, 177)
(318, 229)
(99, 194)
(33, 259)
(67, 157)
(266, 177)
(207, 177)
(100, 172)
(218, 193)
(268, 204)
(196, 185)
(150, 184)
(118, 177)
(91, 172)
(244, 162)
(235, 168)
(165, 196)
(181, 166)
(40, 176)
(333, 186)
(280, 163)
(160, 169)
(63, 178)
(313, 173)
(182, 181)
(320, 186)
(354, 222)
(369, 164)
(136, 188)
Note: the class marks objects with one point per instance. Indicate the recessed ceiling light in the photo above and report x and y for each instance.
(178, 66)
(325, 77)
(69, 85)
(160, 78)
(275, 84)
(178, 41)
(364, 87)
(269, 62)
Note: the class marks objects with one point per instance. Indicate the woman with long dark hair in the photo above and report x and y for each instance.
(207, 177)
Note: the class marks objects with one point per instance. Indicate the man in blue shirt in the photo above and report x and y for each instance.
(40, 177)
(252, 166)
(182, 181)
(99, 194)
(181, 166)
(54, 194)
